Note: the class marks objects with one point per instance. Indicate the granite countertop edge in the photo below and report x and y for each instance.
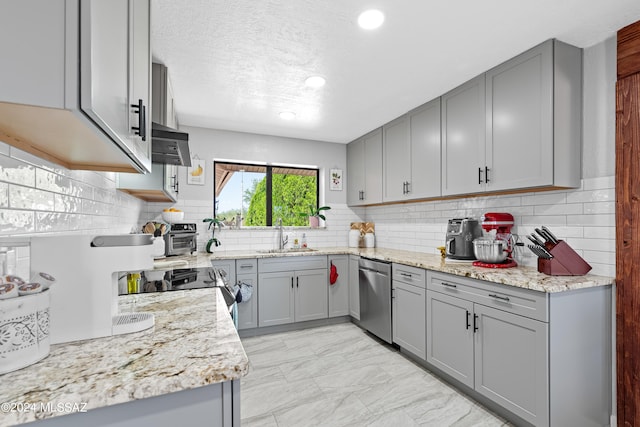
(524, 277)
(193, 344)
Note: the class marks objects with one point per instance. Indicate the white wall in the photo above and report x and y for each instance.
(211, 144)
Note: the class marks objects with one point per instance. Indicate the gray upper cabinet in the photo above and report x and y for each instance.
(517, 126)
(163, 106)
(78, 77)
(534, 107)
(364, 166)
(161, 185)
(463, 138)
(411, 160)
(396, 145)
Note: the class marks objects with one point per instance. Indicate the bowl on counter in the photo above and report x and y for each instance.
(490, 250)
(173, 217)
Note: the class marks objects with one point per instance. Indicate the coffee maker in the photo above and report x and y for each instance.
(459, 239)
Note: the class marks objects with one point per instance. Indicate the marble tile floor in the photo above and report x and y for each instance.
(340, 376)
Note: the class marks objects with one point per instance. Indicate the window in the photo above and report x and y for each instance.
(260, 194)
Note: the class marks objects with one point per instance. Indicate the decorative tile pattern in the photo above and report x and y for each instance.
(340, 376)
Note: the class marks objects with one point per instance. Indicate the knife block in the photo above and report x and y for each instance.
(565, 261)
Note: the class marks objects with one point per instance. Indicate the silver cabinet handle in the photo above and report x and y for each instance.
(246, 266)
(405, 274)
(499, 297)
(449, 285)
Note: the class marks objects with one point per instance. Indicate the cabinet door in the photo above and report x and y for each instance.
(373, 167)
(511, 363)
(409, 318)
(104, 65)
(463, 138)
(248, 310)
(425, 161)
(140, 72)
(396, 160)
(311, 301)
(450, 336)
(339, 291)
(171, 181)
(355, 172)
(354, 287)
(520, 121)
(276, 298)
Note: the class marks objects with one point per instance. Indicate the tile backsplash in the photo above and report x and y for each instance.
(584, 218)
(334, 233)
(38, 197)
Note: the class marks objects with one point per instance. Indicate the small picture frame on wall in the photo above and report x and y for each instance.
(335, 179)
(196, 172)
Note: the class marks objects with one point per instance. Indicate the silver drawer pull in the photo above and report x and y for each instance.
(405, 274)
(449, 285)
(246, 266)
(499, 297)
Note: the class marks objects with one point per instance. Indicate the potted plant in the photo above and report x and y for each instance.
(314, 215)
(213, 223)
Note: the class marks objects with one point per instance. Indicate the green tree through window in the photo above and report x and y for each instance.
(291, 191)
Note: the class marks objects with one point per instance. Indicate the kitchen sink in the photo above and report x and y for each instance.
(285, 251)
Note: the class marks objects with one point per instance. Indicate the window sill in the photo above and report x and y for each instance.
(285, 228)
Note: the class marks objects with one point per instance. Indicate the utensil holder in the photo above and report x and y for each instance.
(565, 261)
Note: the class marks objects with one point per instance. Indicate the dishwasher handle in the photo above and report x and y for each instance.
(370, 270)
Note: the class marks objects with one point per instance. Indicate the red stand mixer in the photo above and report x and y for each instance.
(496, 249)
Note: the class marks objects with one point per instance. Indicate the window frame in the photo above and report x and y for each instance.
(269, 180)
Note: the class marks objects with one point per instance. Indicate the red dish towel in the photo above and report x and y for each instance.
(333, 276)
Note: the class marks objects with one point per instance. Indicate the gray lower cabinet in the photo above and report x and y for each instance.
(276, 298)
(525, 351)
(354, 287)
(409, 309)
(311, 295)
(501, 355)
(247, 272)
(339, 291)
(292, 289)
(511, 362)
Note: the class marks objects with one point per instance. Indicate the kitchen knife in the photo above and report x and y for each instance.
(536, 240)
(552, 236)
(544, 235)
(540, 251)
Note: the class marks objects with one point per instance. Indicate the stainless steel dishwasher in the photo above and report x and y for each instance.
(375, 297)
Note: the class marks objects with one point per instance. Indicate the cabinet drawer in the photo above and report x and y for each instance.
(290, 263)
(515, 300)
(406, 274)
(247, 266)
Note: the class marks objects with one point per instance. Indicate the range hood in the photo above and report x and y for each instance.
(169, 146)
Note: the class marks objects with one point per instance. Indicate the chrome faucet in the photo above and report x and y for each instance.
(282, 240)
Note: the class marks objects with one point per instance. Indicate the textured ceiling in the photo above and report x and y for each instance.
(235, 64)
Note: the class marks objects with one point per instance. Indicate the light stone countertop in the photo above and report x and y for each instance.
(521, 277)
(194, 343)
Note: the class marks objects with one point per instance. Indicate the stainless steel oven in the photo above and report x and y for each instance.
(181, 239)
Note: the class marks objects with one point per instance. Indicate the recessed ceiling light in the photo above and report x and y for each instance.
(315, 81)
(287, 115)
(370, 19)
